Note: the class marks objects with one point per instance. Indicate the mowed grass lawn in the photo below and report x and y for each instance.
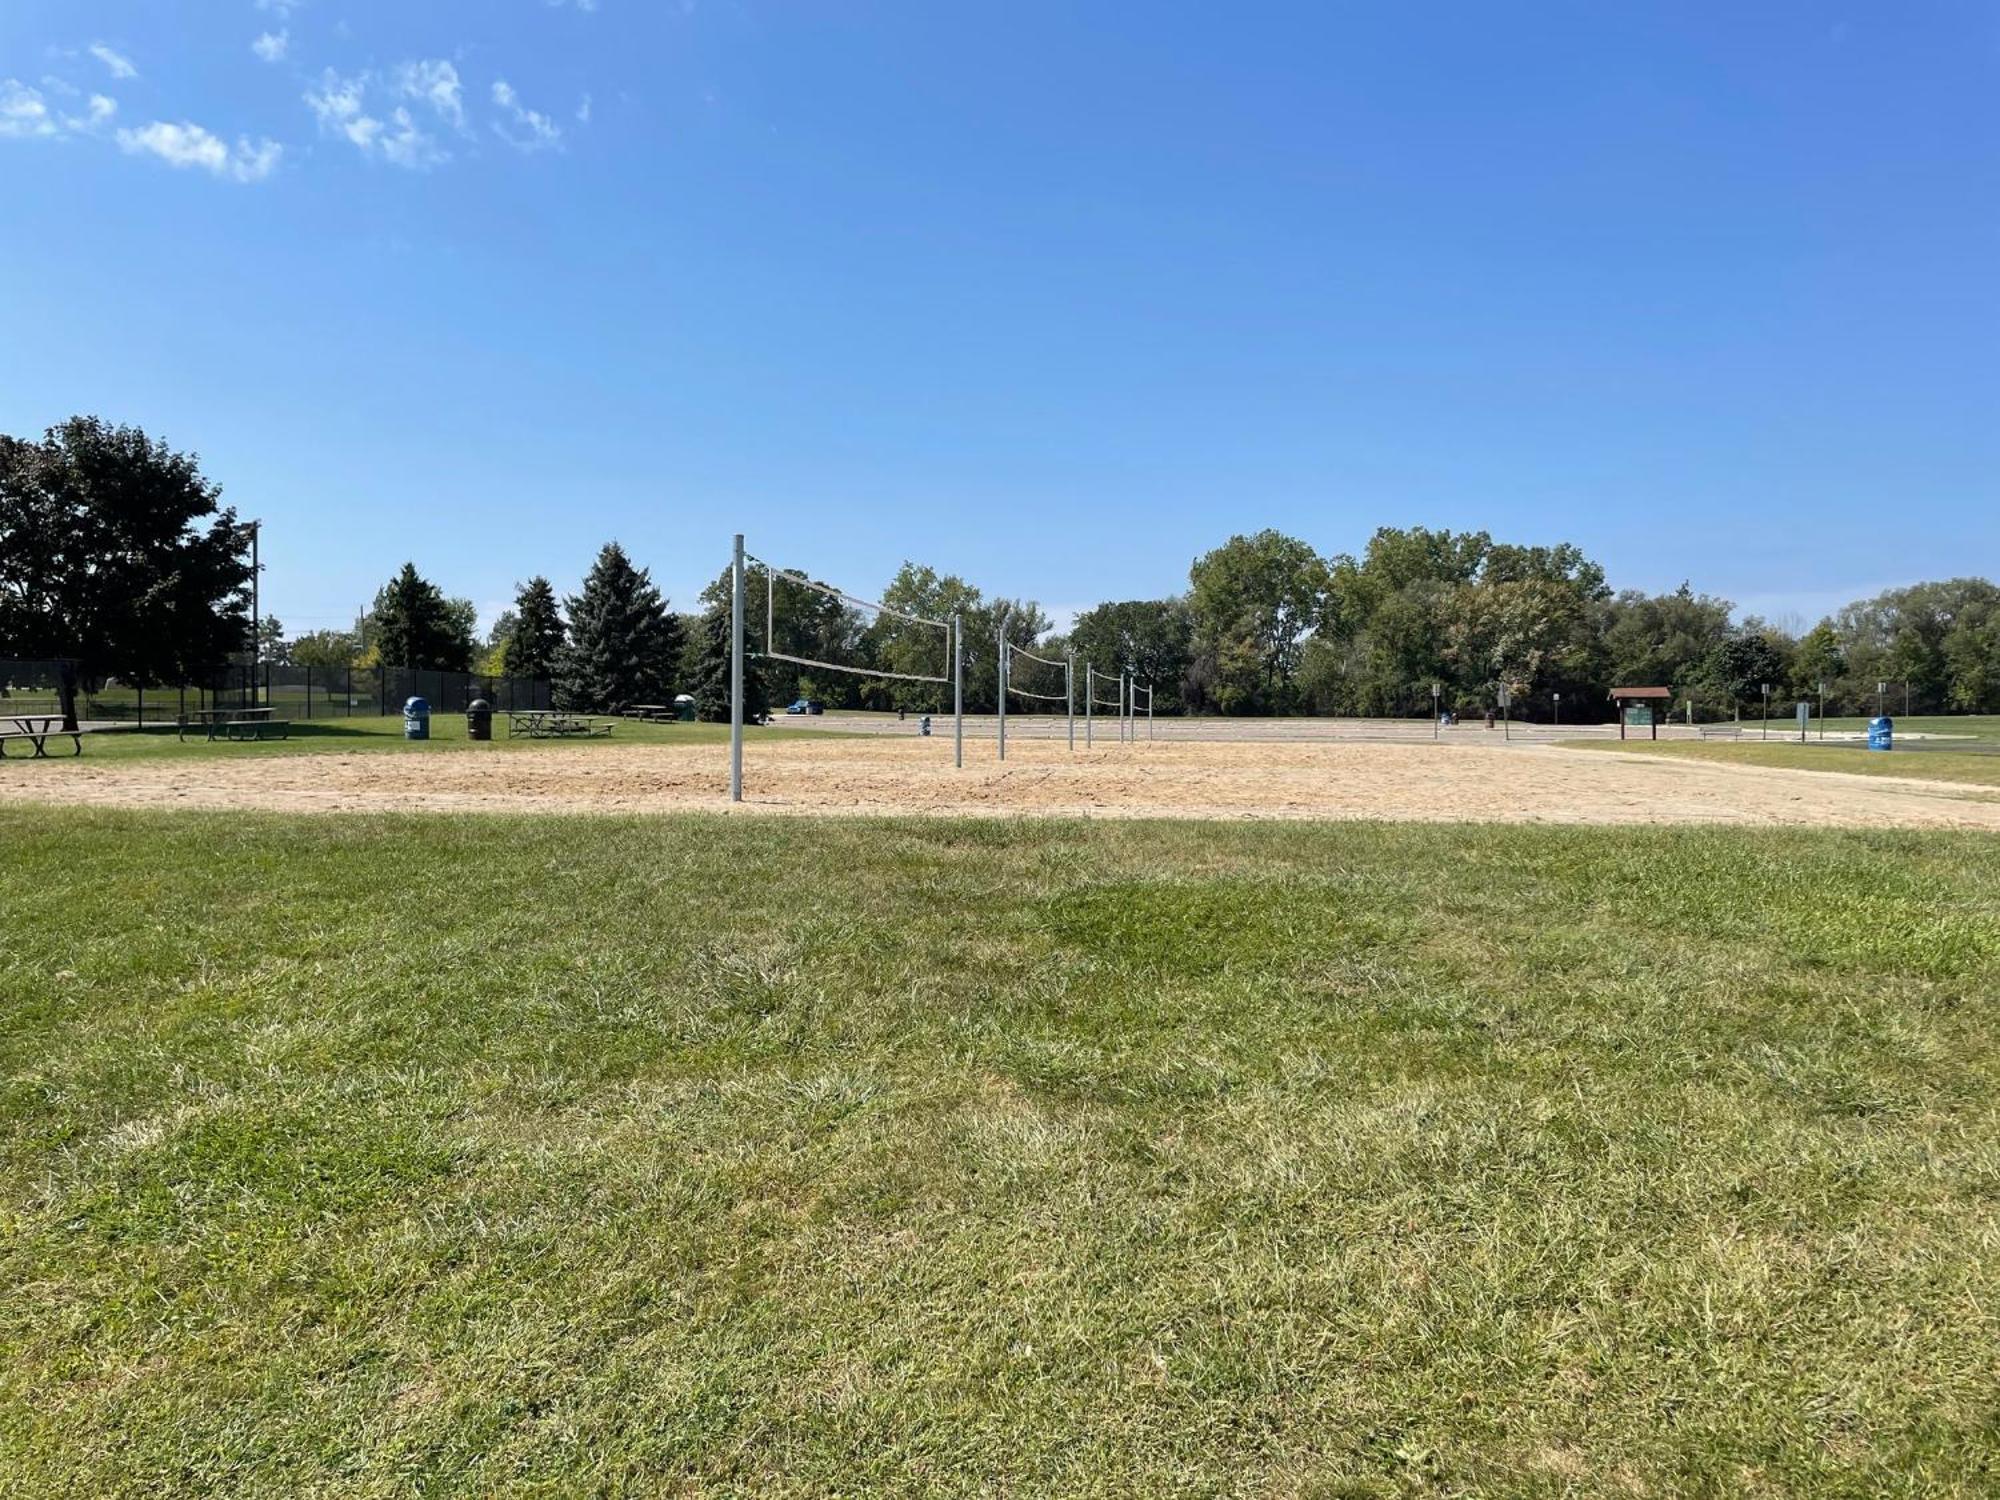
(427, 1156)
(1972, 768)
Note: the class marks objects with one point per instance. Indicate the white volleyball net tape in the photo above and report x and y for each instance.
(1048, 681)
(865, 632)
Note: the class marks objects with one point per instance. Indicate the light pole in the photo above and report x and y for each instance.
(256, 609)
(1822, 708)
(1881, 694)
(1767, 710)
(1437, 713)
(1559, 710)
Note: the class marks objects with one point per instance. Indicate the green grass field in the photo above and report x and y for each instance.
(378, 1156)
(1983, 727)
(344, 736)
(1973, 768)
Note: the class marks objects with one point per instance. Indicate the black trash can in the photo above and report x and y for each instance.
(479, 720)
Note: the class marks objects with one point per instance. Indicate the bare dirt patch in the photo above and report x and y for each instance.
(1398, 782)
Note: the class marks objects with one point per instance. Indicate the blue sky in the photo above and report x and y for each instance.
(1052, 295)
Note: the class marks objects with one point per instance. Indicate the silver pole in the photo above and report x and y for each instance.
(1125, 700)
(1089, 712)
(1069, 696)
(736, 674)
(958, 690)
(1003, 685)
(256, 609)
(1150, 692)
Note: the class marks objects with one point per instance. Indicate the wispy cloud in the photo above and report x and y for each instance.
(340, 104)
(584, 5)
(26, 114)
(119, 65)
(188, 145)
(583, 111)
(435, 82)
(272, 46)
(282, 9)
(524, 129)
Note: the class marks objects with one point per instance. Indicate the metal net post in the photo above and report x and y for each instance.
(958, 690)
(736, 673)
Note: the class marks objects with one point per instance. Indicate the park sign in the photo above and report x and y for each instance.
(1639, 708)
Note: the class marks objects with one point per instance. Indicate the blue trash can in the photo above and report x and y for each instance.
(1882, 733)
(416, 719)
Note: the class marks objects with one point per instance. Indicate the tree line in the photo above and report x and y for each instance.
(116, 553)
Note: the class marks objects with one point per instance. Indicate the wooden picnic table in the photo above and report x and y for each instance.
(37, 730)
(227, 722)
(553, 723)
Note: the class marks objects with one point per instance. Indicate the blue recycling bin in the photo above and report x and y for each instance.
(1882, 733)
(417, 719)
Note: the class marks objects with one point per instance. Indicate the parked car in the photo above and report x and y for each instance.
(807, 706)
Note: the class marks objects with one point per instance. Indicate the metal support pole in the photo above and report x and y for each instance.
(736, 673)
(1003, 686)
(1150, 694)
(1089, 709)
(958, 690)
(1069, 695)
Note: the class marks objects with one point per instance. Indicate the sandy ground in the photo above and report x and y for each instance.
(1405, 782)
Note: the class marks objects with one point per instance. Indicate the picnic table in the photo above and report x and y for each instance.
(554, 723)
(652, 713)
(235, 723)
(37, 730)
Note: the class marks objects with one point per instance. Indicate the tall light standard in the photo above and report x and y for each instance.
(1559, 710)
(256, 610)
(1437, 713)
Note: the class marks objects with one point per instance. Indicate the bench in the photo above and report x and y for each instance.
(217, 723)
(1720, 731)
(38, 730)
(244, 731)
(550, 724)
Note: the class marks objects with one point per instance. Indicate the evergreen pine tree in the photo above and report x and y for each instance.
(413, 625)
(711, 683)
(623, 643)
(535, 644)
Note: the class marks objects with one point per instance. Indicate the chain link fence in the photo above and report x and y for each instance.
(296, 693)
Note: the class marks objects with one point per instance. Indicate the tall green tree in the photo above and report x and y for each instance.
(1154, 637)
(535, 645)
(115, 552)
(1252, 602)
(330, 650)
(711, 679)
(623, 643)
(414, 625)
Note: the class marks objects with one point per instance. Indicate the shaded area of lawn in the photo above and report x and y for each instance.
(380, 1156)
(1973, 768)
(448, 731)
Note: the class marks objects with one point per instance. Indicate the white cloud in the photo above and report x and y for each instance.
(436, 82)
(119, 65)
(584, 5)
(339, 105)
(529, 130)
(282, 9)
(24, 113)
(188, 145)
(272, 46)
(583, 111)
